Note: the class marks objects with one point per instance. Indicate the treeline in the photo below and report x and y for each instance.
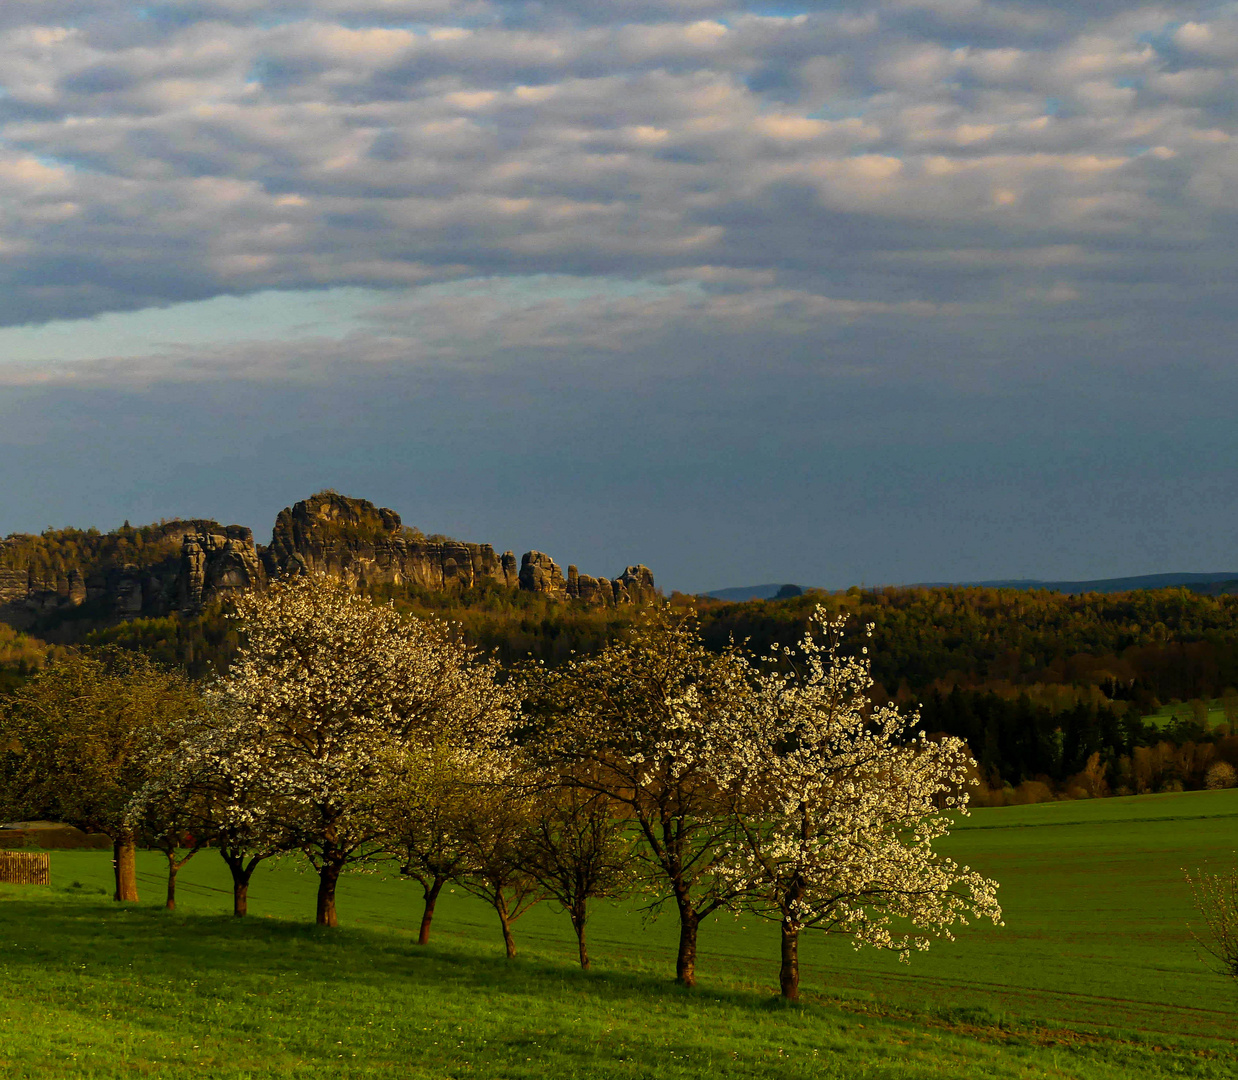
(1037, 682)
(1147, 646)
(508, 624)
(1030, 753)
(1142, 648)
(1050, 691)
(55, 552)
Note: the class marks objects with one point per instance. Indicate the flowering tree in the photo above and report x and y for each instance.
(640, 723)
(579, 848)
(429, 787)
(837, 804)
(325, 684)
(204, 779)
(74, 742)
(1216, 897)
(171, 817)
(497, 816)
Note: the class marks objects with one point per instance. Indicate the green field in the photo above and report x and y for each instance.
(1093, 975)
(1167, 714)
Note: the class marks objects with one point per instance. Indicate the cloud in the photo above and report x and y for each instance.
(222, 147)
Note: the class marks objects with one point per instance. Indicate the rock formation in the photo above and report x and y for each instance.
(633, 586)
(214, 564)
(187, 565)
(367, 545)
(540, 573)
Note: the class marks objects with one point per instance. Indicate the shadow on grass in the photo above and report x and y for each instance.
(76, 928)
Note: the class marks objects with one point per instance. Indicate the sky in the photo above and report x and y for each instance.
(822, 292)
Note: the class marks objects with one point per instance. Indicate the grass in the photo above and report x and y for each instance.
(1093, 976)
(1181, 710)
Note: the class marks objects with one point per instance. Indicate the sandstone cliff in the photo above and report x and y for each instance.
(186, 565)
(367, 545)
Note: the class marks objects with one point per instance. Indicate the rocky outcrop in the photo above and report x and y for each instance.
(539, 573)
(633, 586)
(590, 590)
(215, 564)
(366, 545)
(187, 565)
(126, 573)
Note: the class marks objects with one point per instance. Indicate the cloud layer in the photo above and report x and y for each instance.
(920, 151)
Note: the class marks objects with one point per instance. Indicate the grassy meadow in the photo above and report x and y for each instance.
(1167, 714)
(1093, 976)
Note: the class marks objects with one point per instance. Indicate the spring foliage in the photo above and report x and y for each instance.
(707, 779)
(324, 686)
(836, 806)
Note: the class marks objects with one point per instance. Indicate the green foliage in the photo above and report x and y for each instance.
(513, 625)
(73, 738)
(1144, 645)
(55, 552)
(20, 657)
(1036, 681)
(200, 645)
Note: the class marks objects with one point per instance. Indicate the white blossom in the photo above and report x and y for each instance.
(838, 804)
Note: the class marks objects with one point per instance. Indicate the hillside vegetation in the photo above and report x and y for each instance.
(1037, 682)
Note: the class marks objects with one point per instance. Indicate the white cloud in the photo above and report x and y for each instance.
(223, 146)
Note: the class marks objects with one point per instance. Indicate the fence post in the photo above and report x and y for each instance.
(20, 868)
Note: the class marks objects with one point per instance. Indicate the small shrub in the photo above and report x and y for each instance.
(1033, 791)
(1220, 774)
(1216, 898)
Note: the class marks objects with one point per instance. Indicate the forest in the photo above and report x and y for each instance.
(1050, 690)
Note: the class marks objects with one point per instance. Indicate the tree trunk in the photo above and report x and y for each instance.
(173, 866)
(685, 961)
(509, 942)
(789, 972)
(327, 878)
(124, 862)
(578, 924)
(427, 914)
(240, 879)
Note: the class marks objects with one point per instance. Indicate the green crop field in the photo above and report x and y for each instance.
(1093, 976)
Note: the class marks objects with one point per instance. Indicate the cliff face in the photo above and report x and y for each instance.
(185, 565)
(363, 544)
(130, 572)
(214, 563)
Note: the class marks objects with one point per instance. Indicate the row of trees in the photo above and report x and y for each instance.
(697, 779)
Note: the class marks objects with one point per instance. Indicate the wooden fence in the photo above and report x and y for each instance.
(18, 868)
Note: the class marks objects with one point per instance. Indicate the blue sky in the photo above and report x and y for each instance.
(827, 293)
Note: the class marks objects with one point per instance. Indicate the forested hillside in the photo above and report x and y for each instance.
(1044, 686)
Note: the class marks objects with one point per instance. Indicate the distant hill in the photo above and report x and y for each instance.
(757, 592)
(1201, 582)
(1206, 583)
